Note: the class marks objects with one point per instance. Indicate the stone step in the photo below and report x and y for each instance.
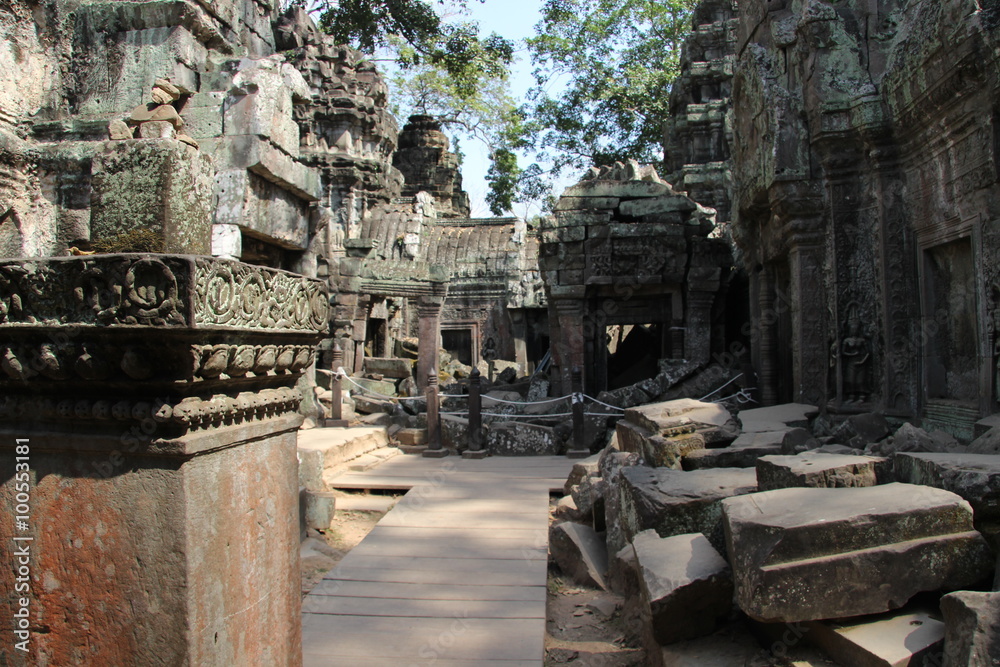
(362, 502)
(365, 461)
(323, 452)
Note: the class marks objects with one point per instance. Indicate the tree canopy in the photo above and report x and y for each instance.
(603, 71)
(616, 61)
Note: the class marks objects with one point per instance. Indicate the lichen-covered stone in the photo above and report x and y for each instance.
(161, 185)
(972, 629)
(807, 554)
(675, 502)
(519, 439)
(816, 470)
(686, 584)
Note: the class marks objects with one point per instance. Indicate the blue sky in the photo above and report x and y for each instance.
(515, 20)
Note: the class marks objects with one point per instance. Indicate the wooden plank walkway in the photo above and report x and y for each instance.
(453, 576)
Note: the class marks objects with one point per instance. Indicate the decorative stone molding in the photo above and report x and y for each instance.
(190, 342)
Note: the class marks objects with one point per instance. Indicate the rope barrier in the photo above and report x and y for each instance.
(721, 388)
(607, 405)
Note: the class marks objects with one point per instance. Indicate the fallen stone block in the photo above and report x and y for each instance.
(858, 431)
(660, 450)
(383, 387)
(412, 437)
(743, 453)
(815, 470)
(987, 443)
(674, 502)
(910, 438)
(580, 553)
(975, 477)
(686, 584)
(566, 510)
(388, 367)
(366, 405)
(900, 638)
(588, 467)
(519, 439)
(611, 464)
(777, 418)
(972, 629)
(809, 554)
(798, 440)
(589, 497)
(623, 573)
(713, 421)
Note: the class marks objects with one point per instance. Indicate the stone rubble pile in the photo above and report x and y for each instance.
(826, 539)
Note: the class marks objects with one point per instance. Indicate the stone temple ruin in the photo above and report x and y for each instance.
(213, 233)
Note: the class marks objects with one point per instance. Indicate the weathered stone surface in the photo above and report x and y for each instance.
(988, 443)
(685, 582)
(612, 188)
(712, 420)
(412, 436)
(899, 638)
(655, 449)
(390, 368)
(860, 430)
(580, 553)
(518, 439)
(675, 502)
(589, 497)
(611, 464)
(778, 418)
(972, 629)
(368, 405)
(798, 440)
(379, 388)
(909, 438)
(815, 470)
(744, 452)
(588, 467)
(975, 477)
(158, 185)
(807, 554)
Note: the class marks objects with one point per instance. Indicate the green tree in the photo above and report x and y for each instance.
(442, 67)
(616, 61)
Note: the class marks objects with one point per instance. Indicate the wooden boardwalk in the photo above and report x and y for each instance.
(453, 576)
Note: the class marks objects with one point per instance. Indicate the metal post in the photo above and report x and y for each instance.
(434, 448)
(577, 450)
(475, 450)
(336, 419)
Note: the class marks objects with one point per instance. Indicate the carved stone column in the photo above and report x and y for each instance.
(571, 342)
(156, 396)
(429, 313)
(810, 348)
(698, 327)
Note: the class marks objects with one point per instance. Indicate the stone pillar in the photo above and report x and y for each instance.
(358, 333)
(767, 334)
(336, 419)
(571, 342)
(698, 327)
(475, 450)
(155, 398)
(435, 448)
(577, 449)
(810, 347)
(429, 314)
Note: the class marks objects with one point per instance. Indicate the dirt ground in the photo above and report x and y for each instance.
(324, 549)
(585, 627)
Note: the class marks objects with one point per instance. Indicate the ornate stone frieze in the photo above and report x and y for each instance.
(188, 342)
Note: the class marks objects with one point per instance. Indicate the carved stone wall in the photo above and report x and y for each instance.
(698, 134)
(428, 166)
(865, 164)
(624, 248)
